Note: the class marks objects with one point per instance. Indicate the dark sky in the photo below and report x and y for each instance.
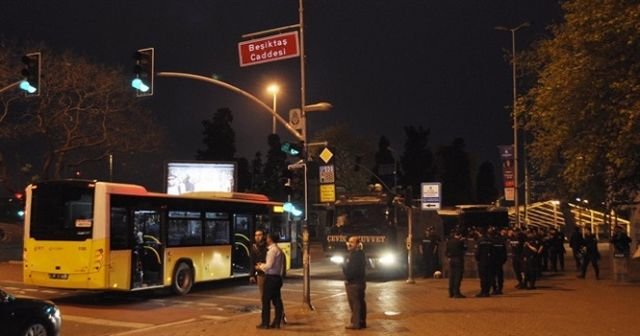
(383, 64)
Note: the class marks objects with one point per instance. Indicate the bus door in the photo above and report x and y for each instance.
(242, 233)
(148, 249)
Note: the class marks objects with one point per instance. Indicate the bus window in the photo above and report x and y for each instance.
(119, 230)
(217, 228)
(185, 228)
(61, 213)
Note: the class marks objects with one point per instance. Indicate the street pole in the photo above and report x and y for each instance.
(274, 89)
(410, 279)
(516, 196)
(273, 124)
(110, 167)
(10, 86)
(306, 267)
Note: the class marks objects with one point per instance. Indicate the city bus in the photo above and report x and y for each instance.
(111, 236)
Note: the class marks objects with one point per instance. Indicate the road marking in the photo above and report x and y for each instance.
(137, 331)
(215, 317)
(111, 323)
(49, 291)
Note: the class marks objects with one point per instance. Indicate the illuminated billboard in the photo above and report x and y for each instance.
(183, 177)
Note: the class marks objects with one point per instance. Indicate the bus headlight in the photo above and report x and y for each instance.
(387, 259)
(337, 259)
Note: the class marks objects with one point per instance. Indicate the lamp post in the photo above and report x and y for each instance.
(515, 117)
(274, 89)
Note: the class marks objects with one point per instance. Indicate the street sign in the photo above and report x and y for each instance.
(295, 119)
(431, 196)
(327, 174)
(326, 155)
(269, 49)
(327, 193)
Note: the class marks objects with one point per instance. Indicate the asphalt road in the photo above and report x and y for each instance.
(562, 305)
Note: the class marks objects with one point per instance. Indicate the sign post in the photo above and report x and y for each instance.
(431, 195)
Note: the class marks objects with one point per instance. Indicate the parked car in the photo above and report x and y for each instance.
(28, 317)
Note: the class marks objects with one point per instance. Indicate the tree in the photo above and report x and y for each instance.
(274, 169)
(347, 149)
(417, 160)
(244, 175)
(455, 173)
(219, 137)
(257, 179)
(386, 165)
(486, 192)
(585, 106)
(77, 118)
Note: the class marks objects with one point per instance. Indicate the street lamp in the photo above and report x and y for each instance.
(515, 117)
(274, 89)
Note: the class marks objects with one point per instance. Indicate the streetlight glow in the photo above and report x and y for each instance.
(274, 89)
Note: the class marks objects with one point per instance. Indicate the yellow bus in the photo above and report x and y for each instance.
(111, 236)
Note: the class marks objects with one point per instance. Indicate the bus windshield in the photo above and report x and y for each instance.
(61, 212)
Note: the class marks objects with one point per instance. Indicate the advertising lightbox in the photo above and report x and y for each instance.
(183, 177)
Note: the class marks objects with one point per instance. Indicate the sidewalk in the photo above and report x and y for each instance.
(562, 305)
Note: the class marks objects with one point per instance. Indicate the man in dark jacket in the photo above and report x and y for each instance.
(429, 251)
(258, 255)
(456, 248)
(621, 251)
(355, 283)
(591, 254)
(531, 258)
(484, 259)
(576, 242)
(516, 240)
(499, 240)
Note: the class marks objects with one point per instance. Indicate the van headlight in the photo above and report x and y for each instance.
(337, 259)
(387, 259)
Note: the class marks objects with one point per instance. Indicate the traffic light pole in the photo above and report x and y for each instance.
(235, 89)
(10, 86)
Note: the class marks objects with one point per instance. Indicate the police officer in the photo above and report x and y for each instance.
(516, 240)
(547, 242)
(556, 250)
(499, 239)
(576, 241)
(531, 257)
(621, 252)
(484, 260)
(456, 248)
(591, 254)
(429, 251)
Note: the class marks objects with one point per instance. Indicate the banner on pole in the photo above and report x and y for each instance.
(508, 169)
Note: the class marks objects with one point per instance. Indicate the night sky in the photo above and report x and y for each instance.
(383, 64)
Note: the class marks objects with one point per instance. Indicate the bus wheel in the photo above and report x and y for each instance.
(182, 279)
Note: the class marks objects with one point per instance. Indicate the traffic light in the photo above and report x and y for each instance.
(31, 74)
(292, 209)
(293, 149)
(143, 71)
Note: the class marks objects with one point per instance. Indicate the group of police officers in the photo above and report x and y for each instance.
(533, 251)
